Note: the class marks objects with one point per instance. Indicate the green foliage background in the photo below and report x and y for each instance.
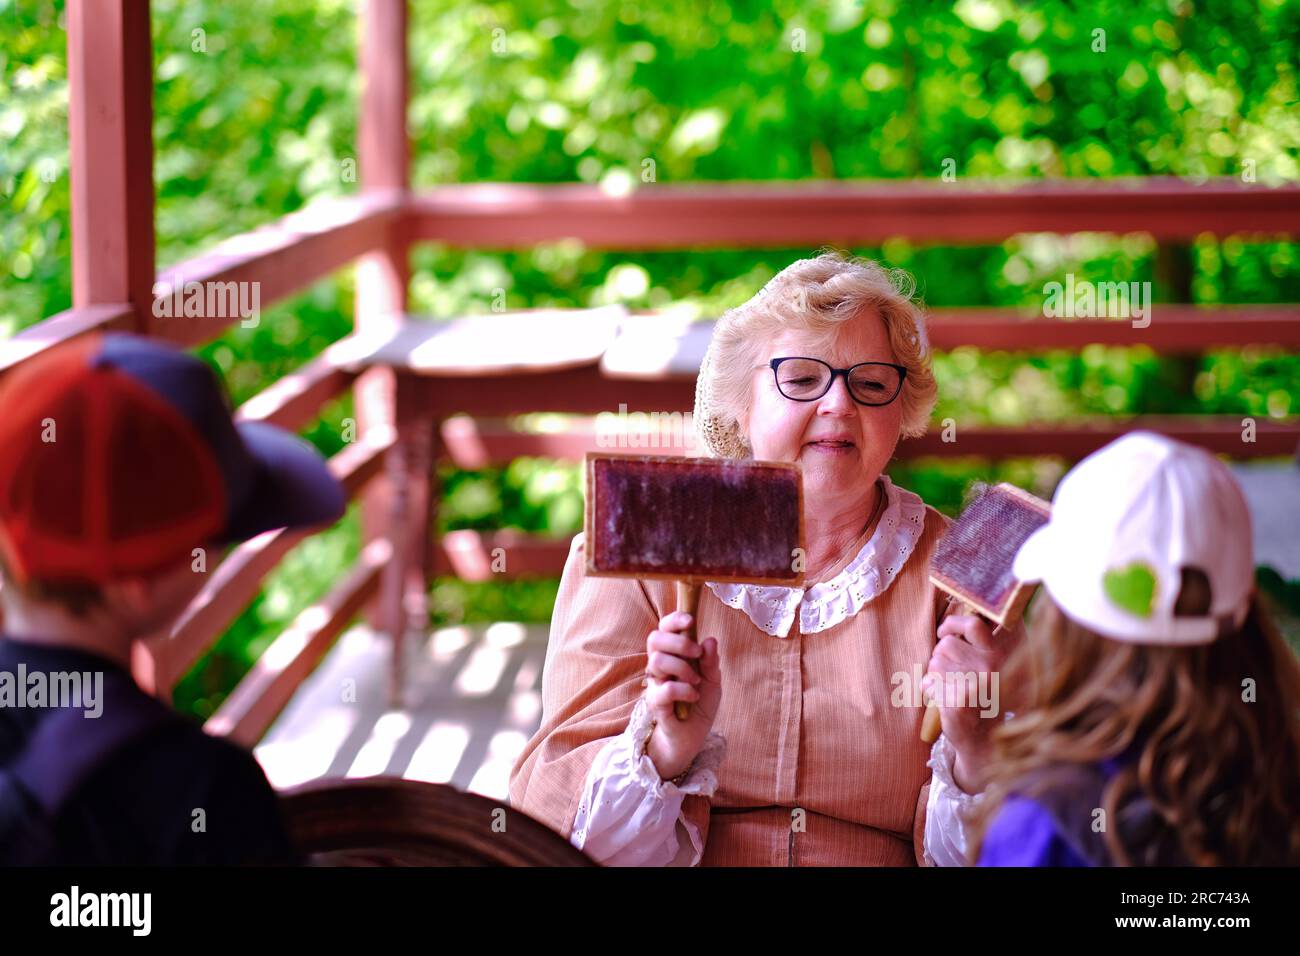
(255, 114)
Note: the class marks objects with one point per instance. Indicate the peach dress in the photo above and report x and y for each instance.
(815, 758)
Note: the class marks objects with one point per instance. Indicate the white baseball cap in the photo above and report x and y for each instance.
(1149, 542)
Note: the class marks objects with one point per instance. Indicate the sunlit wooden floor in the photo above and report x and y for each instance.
(473, 700)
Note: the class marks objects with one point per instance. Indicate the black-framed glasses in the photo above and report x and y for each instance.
(808, 379)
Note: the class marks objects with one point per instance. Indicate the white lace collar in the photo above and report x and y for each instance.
(772, 608)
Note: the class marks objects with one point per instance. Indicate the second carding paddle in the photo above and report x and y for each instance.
(973, 562)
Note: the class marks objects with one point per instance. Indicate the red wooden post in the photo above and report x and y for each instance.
(381, 300)
(408, 471)
(384, 154)
(110, 142)
(1174, 273)
(110, 127)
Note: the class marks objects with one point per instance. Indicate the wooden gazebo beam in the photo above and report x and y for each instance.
(756, 215)
(383, 153)
(110, 120)
(399, 506)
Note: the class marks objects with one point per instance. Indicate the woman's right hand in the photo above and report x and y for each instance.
(670, 677)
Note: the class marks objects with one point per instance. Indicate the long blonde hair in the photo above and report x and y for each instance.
(1214, 729)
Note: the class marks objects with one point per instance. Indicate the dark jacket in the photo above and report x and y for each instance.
(173, 795)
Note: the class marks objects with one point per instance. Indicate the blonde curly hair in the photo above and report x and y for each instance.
(817, 295)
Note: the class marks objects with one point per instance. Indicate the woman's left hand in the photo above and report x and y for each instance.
(964, 675)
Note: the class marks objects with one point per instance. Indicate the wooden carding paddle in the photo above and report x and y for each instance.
(694, 520)
(973, 562)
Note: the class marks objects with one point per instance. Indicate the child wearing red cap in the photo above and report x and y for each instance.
(119, 465)
(1157, 718)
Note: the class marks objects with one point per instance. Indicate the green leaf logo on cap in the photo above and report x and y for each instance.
(1132, 588)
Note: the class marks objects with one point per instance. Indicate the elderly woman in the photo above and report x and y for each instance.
(803, 745)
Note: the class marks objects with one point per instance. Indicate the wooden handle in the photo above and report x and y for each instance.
(688, 600)
(932, 725)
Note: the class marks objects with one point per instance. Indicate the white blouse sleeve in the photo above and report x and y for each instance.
(948, 811)
(628, 815)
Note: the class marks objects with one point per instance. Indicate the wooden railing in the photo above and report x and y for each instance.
(412, 417)
(785, 215)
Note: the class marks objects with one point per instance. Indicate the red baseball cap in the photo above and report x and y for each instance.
(119, 456)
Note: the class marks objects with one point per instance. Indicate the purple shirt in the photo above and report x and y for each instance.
(1024, 833)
